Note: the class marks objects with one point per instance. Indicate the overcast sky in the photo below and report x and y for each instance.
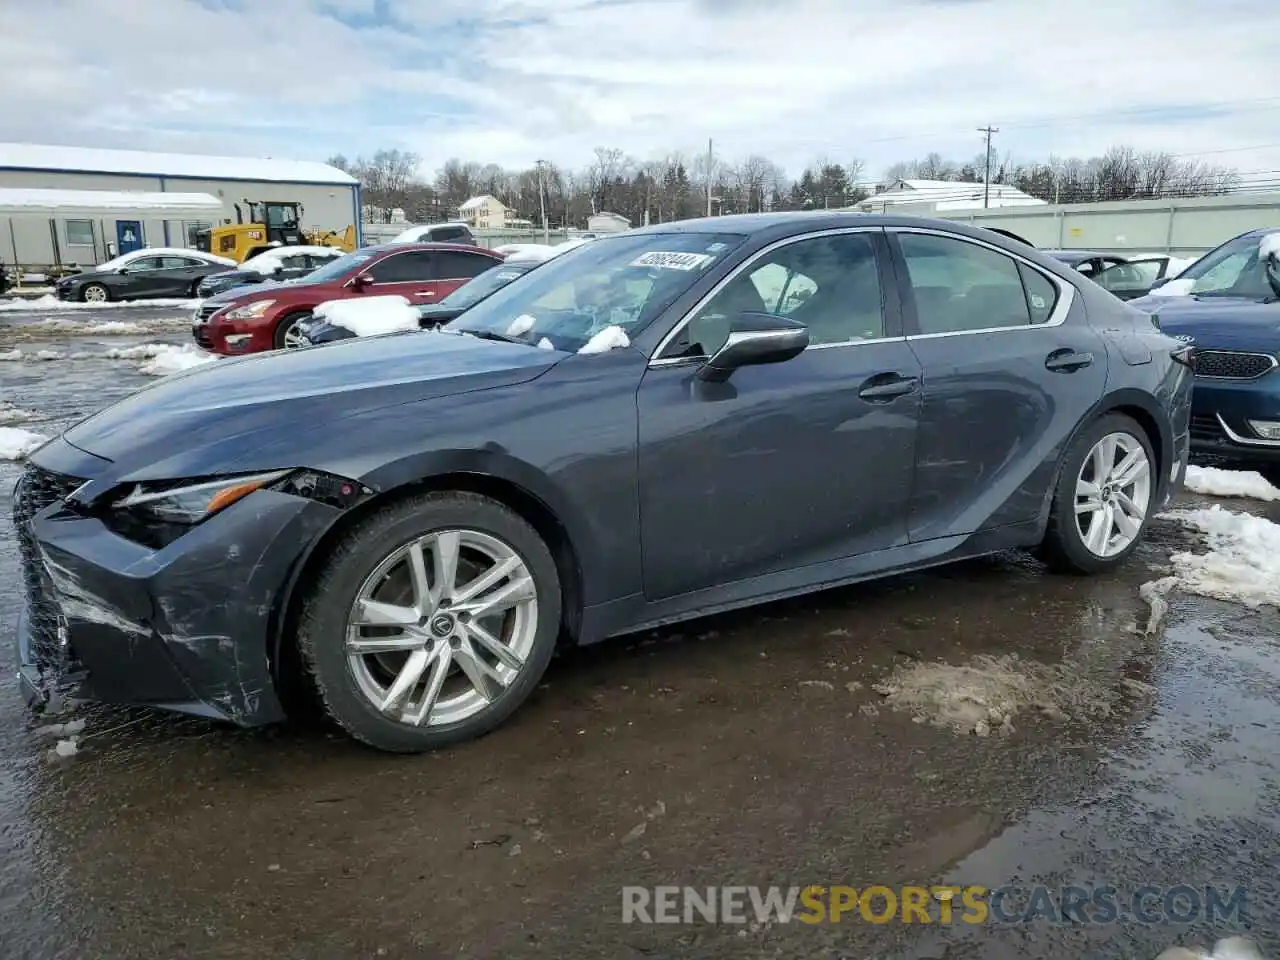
(510, 81)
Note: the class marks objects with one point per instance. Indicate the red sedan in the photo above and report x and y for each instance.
(263, 317)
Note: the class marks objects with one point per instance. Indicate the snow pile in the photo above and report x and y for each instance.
(1228, 948)
(168, 360)
(1215, 482)
(16, 443)
(1177, 265)
(143, 351)
(1269, 246)
(50, 302)
(50, 355)
(11, 413)
(13, 355)
(1243, 561)
(370, 316)
(545, 344)
(985, 694)
(610, 338)
(112, 328)
(524, 252)
(521, 325)
(1174, 288)
(265, 263)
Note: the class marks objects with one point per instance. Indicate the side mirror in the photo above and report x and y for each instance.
(122, 271)
(277, 271)
(360, 281)
(755, 338)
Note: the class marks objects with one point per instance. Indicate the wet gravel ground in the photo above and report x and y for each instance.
(743, 749)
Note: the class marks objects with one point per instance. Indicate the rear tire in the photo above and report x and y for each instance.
(482, 655)
(285, 337)
(1105, 495)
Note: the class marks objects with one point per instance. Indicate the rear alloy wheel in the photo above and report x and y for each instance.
(95, 293)
(288, 335)
(439, 637)
(1104, 497)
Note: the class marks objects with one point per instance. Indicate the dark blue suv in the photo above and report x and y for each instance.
(1227, 307)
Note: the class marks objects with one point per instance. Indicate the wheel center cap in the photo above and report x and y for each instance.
(442, 624)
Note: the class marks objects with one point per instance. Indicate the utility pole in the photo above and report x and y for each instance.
(986, 180)
(710, 161)
(542, 200)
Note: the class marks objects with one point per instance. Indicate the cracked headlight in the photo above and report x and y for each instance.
(250, 311)
(192, 502)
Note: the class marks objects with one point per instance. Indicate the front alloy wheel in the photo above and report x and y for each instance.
(1113, 494)
(442, 627)
(431, 621)
(95, 293)
(292, 337)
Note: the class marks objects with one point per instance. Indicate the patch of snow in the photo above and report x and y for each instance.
(610, 338)
(11, 355)
(68, 729)
(142, 351)
(49, 355)
(545, 344)
(16, 443)
(114, 328)
(10, 413)
(1269, 246)
(1228, 948)
(1177, 265)
(50, 302)
(1242, 564)
(170, 360)
(1180, 287)
(524, 252)
(1156, 593)
(370, 316)
(521, 325)
(1215, 482)
(267, 262)
(66, 748)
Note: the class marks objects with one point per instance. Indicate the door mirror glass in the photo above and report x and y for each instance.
(755, 338)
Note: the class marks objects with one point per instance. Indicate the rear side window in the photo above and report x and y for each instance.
(961, 287)
(447, 234)
(455, 266)
(1042, 293)
(408, 267)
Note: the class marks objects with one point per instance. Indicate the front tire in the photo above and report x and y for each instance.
(432, 621)
(95, 293)
(1105, 495)
(287, 336)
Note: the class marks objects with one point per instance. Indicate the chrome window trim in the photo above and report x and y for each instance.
(657, 360)
(1058, 316)
(1242, 353)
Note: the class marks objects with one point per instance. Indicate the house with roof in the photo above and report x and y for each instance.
(485, 212)
(87, 230)
(936, 196)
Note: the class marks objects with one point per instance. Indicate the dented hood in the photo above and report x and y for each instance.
(226, 409)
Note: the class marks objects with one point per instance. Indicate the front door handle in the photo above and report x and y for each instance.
(883, 387)
(1067, 360)
(426, 293)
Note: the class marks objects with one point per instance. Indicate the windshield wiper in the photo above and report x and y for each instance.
(493, 335)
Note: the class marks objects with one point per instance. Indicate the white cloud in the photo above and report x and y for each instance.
(555, 78)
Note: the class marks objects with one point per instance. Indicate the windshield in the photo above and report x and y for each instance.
(622, 281)
(1233, 270)
(495, 278)
(339, 267)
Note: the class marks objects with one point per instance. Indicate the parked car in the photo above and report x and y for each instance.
(667, 422)
(154, 272)
(315, 331)
(265, 317)
(1089, 262)
(281, 263)
(1135, 277)
(438, 233)
(1227, 306)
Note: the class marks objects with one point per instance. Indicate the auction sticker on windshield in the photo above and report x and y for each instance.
(671, 260)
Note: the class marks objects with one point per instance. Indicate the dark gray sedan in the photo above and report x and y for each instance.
(140, 276)
(657, 425)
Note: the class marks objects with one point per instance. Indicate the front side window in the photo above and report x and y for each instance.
(624, 281)
(960, 286)
(411, 267)
(483, 285)
(80, 233)
(830, 284)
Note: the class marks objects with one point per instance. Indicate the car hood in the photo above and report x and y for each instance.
(86, 275)
(1226, 322)
(210, 419)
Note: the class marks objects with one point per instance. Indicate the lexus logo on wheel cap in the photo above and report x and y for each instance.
(442, 625)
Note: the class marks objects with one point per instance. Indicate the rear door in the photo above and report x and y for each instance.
(1010, 367)
(411, 274)
(456, 267)
(181, 274)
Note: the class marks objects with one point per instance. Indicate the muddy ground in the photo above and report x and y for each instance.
(744, 749)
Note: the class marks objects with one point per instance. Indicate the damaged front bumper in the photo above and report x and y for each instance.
(189, 628)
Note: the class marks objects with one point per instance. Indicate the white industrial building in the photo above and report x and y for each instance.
(937, 196)
(101, 203)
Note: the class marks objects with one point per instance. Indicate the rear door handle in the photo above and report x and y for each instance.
(1067, 360)
(885, 386)
(426, 293)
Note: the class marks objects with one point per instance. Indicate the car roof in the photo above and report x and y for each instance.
(1075, 256)
(438, 246)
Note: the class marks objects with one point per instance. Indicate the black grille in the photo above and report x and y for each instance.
(207, 310)
(1231, 365)
(1205, 428)
(201, 335)
(36, 490)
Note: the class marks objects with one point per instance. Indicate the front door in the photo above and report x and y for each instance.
(784, 465)
(128, 236)
(1010, 369)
